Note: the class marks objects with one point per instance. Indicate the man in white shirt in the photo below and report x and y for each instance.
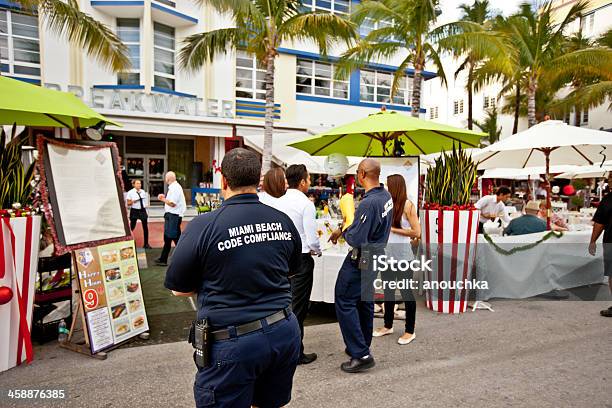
(138, 201)
(302, 212)
(174, 209)
(492, 207)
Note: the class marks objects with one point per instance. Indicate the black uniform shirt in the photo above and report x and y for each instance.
(373, 217)
(237, 259)
(603, 216)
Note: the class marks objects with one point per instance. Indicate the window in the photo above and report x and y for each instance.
(369, 25)
(434, 112)
(375, 86)
(128, 31)
(163, 56)
(489, 102)
(19, 44)
(585, 116)
(458, 107)
(317, 78)
(250, 77)
(333, 6)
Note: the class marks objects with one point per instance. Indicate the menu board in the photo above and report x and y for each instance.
(111, 292)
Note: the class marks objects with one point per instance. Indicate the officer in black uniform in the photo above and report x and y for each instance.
(354, 291)
(237, 260)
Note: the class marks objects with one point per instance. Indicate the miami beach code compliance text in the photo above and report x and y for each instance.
(254, 233)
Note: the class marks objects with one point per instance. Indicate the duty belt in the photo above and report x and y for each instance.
(250, 327)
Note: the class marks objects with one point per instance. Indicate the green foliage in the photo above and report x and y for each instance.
(14, 178)
(451, 179)
(97, 39)
(577, 201)
(490, 125)
(579, 184)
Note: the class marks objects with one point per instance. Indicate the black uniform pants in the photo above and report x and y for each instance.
(301, 287)
(137, 214)
(172, 232)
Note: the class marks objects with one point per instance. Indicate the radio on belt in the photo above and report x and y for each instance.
(200, 339)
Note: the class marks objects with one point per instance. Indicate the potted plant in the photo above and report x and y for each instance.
(450, 226)
(20, 237)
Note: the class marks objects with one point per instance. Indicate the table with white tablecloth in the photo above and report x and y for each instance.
(557, 263)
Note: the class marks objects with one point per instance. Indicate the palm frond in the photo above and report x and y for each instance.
(97, 39)
(201, 48)
(322, 28)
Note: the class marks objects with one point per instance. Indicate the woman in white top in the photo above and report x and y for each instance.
(274, 186)
(405, 226)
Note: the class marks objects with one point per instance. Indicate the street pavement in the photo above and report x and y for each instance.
(525, 354)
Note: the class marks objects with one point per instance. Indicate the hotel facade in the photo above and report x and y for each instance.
(172, 118)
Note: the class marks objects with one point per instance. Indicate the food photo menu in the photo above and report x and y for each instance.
(111, 293)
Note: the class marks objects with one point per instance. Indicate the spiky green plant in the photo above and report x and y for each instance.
(451, 178)
(15, 180)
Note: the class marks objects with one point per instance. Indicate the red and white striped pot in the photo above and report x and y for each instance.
(449, 237)
(19, 238)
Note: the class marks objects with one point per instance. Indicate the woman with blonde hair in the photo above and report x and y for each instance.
(405, 226)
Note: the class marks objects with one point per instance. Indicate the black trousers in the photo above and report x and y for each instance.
(301, 287)
(406, 296)
(141, 215)
(172, 232)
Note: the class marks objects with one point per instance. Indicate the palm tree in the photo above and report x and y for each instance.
(539, 42)
(261, 26)
(410, 33)
(67, 20)
(490, 126)
(473, 39)
(591, 83)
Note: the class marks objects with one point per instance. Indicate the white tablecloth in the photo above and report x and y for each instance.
(325, 273)
(558, 263)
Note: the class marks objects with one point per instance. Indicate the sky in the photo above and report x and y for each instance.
(451, 12)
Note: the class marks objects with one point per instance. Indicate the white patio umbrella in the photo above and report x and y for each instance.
(587, 171)
(548, 143)
(524, 174)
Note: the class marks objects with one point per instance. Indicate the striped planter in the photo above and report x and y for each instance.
(449, 238)
(19, 238)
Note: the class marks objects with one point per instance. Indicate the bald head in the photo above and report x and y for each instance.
(170, 177)
(371, 168)
(368, 173)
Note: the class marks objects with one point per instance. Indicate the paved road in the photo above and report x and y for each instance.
(526, 353)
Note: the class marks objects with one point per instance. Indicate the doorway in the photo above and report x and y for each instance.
(150, 168)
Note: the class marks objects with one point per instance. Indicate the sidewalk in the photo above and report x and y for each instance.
(526, 353)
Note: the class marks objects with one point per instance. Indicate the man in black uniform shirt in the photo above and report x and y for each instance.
(602, 222)
(353, 293)
(237, 260)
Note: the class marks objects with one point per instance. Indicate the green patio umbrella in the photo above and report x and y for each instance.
(31, 105)
(388, 133)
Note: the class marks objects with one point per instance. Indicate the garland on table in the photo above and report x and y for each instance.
(17, 211)
(556, 234)
(453, 207)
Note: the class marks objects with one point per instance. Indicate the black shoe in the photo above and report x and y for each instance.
(606, 312)
(159, 262)
(356, 365)
(147, 246)
(307, 358)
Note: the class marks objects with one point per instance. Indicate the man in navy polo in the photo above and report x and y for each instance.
(353, 295)
(237, 260)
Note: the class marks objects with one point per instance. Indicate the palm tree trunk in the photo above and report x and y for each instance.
(531, 101)
(517, 107)
(577, 115)
(470, 86)
(269, 116)
(417, 81)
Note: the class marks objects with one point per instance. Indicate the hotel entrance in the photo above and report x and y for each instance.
(150, 169)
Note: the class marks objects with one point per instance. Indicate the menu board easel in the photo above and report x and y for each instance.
(111, 302)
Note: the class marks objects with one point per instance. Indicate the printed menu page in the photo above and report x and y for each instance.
(109, 279)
